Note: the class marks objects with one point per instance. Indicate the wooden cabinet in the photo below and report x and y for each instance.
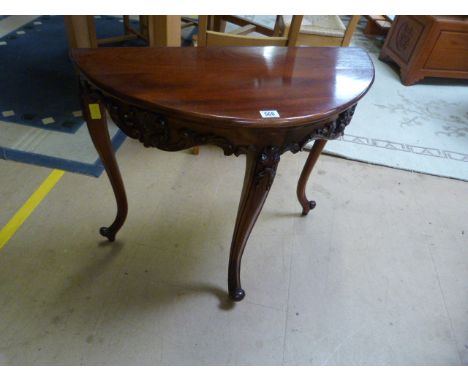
(428, 46)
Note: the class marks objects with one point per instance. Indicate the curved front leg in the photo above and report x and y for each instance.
(96, 121)
(314, 154)
(259, 175)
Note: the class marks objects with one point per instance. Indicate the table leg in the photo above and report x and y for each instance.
(259, 175)
(164, 30)
(314, 154)
(81, 31)
(95, 116)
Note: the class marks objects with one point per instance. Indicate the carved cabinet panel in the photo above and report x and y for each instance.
(428, 46)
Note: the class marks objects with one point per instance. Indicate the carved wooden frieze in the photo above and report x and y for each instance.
(153, 130)
(331, 130)
(335, 129)
(148, 127)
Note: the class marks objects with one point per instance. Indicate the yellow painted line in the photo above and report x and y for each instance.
(34, 200)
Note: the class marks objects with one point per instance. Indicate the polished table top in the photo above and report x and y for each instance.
(233, 83)
(177, 98)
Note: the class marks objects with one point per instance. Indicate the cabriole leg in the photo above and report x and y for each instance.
(97, 125)
(314, 154)
(259, 175)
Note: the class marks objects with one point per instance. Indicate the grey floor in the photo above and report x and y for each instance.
(376, 274)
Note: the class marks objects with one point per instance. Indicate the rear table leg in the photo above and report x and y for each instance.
(314, 154)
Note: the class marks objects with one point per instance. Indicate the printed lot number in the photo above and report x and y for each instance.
(269, 114)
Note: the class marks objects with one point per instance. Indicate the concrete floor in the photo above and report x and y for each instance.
(376, 274)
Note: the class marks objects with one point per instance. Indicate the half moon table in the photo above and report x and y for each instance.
(257, 101)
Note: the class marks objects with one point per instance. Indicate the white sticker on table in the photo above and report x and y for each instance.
(269, 114)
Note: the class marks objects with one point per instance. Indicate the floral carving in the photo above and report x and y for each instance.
(335, 129)
(265, 170)
(148, 127)
(404, 36)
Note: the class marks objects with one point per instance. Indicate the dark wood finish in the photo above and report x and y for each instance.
(259, 175)
(101, 140)
(428, 46)
(175, 99)
(211, 33)
(314, 154)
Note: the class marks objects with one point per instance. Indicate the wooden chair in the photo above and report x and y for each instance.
(210, 32)
(219, 24)
(323, 30)
(156, 30)
(378, 25)
(81, 31)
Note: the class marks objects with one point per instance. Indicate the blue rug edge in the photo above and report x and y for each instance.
(94, 169)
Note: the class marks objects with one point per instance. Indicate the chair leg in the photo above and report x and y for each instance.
(350, 30)
(126, 25)
(219, 24)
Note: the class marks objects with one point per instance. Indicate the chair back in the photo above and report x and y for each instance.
(207, 37)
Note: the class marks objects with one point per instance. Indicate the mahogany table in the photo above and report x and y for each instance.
(257, 101)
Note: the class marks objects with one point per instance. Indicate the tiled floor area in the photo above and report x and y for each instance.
(376, 274)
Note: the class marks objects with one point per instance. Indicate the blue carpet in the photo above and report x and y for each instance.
(95, 168)
(40, 117)
(39, 85)
(40, 90)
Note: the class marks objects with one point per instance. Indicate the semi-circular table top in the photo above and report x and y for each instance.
(233, 84)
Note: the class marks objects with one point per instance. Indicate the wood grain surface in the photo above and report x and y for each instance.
(233, 84)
